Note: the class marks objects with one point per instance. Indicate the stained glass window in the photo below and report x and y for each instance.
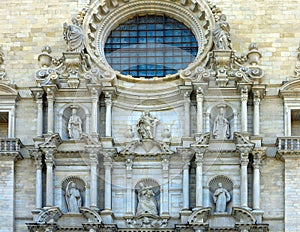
(150, 46)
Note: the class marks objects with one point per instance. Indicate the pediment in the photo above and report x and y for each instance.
(146, 147)
(290, 88)
(8, 91)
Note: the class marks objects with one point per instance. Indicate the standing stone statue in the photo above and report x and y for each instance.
(221, 128)
(147, 202)
(74, 125)
(146, 126)
(74, 36)
(221, 197)
(221, 34)
(73, 197)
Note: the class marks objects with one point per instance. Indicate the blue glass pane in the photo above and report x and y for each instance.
(150, 45)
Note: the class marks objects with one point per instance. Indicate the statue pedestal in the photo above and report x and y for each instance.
(107, 142)
(221, 220)
(107, 216)
(184, 215)
(258, 214)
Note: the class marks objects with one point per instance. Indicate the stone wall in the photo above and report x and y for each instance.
(28, 25)
(7, 196)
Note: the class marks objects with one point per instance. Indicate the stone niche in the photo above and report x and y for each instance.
(80, 186)
(227, 184)
(64, 118)
(222, 122)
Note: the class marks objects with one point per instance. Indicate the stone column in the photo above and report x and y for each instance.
(107, 178)
(108, 117)
(199, 178)
(207, 122)
(186, 187)
(256, 119)
(187, 116)
(235, 121)
(39, 102)
(11, 123)
(244, 117)
(165, 186)
(93, 155)
(244, 177)
(37, 156)
(129, 187)
(50, 99)
(49, 159)
(199, 99)
(256, 181)
(95, 99)
(287, 120)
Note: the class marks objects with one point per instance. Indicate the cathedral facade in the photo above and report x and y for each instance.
(153, 115)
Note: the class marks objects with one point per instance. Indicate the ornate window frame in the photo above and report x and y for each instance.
(101, 18)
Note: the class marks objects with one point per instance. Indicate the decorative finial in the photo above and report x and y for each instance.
(253, 55)
(45, 58)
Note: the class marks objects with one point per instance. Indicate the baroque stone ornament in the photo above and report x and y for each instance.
(221, 198)
(221, 127)
(221, 34)
(74, 36)
(73, 197)
(75, 125)
(147, 203)
(2, 69)
(146, 126)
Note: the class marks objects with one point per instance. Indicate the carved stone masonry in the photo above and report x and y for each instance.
(2, 69)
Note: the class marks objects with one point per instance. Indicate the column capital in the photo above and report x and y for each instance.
(258, 156)
(50, 91)
(37, 93)
(165, 162)
(199, 159)
(49, 156)
(199, 96)
(129, 162)
(244, 94)
(36, 155)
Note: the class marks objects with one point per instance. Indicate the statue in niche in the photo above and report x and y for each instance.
(74, 125)
(74, 36)
(146, 126)
(221, 34)
(73, 197)
(221, 128)
(146, 201)
(221, 198)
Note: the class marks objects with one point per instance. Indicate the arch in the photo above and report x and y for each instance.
(81, 185)
(62, 122)
(147, 182)
(212, 184)
(6, 90)
(213, 105)
(63, 108)
(75, 179)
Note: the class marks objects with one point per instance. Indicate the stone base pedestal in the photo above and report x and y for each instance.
(184, 215)
(107, 142)
(187, 141)
(257, 140)
(258, 214)
(107, 216)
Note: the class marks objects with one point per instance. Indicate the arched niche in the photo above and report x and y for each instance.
(218, 114)
(151, 184)
(213, 185)
(80, 185)
(64, 116)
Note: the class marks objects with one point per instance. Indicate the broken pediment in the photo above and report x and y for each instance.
(146, 147)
